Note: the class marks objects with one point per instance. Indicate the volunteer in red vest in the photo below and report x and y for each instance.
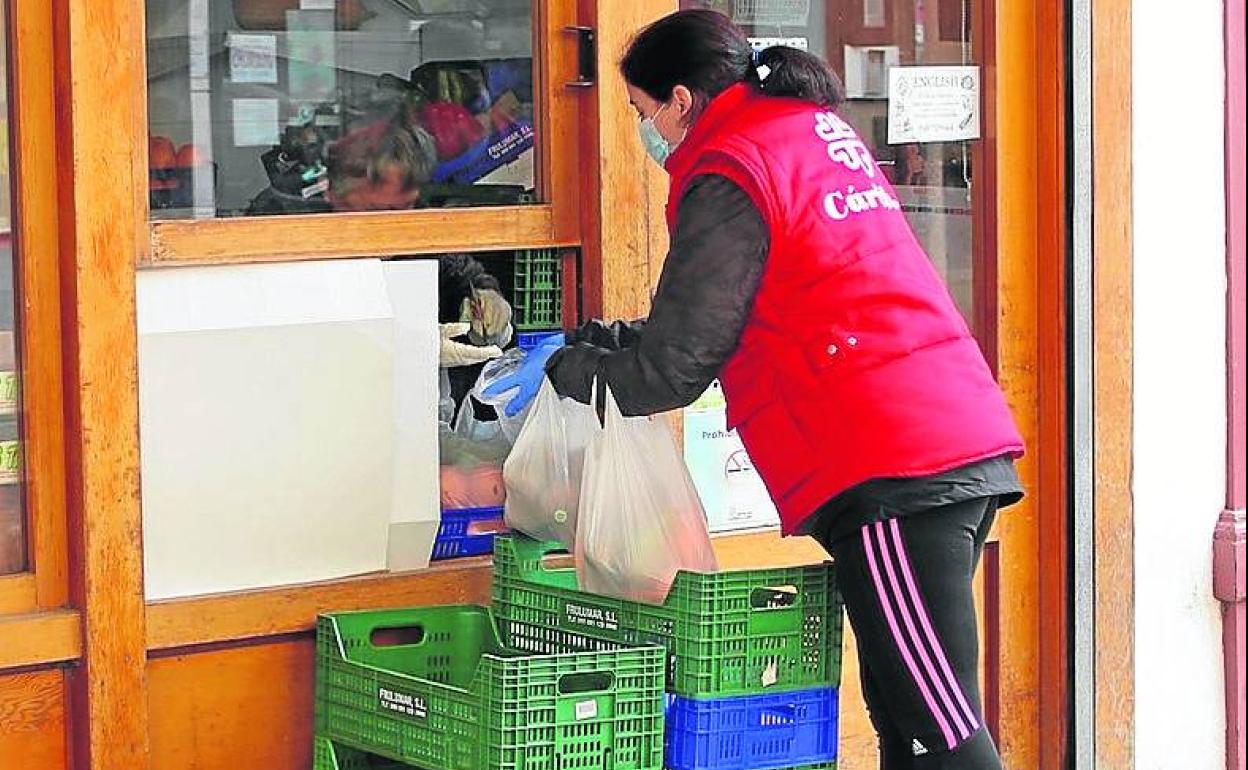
(856, 385)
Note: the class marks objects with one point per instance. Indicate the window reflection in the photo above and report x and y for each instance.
(260, 107)
(12, 518)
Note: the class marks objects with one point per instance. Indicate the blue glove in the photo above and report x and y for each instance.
(528, 378)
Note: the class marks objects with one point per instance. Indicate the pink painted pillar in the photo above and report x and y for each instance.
(1228, 542)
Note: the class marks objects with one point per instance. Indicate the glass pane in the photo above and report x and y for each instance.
(263, 107)
(865, 40)
(12, 517)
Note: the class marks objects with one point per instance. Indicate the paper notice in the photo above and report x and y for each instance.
(253, 58)
(256, 123)
(933, 104)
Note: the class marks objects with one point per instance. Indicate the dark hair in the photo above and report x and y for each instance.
(705, 52)
(458, 276)
(365, 153)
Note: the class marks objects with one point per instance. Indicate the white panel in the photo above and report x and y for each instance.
(267, 414)
(246, 296)
(413, 289)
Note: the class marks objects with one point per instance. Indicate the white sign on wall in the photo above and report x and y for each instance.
(933, 104)
(732, 492)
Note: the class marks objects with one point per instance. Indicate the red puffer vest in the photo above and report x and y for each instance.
(855, 363)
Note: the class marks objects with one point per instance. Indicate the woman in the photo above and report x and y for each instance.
(856, 386)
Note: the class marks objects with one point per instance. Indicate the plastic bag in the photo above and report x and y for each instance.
(491, 373)
(543, 473)
(640, 519)
(472, 454)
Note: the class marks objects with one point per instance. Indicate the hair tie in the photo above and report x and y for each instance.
(760, 69)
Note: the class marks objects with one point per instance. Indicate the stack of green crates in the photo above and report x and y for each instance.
(537, 293)
(434, 688)
(736, 641)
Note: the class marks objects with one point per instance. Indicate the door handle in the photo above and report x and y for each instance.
(586, 57)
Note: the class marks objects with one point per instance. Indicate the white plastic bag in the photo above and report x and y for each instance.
(472, 455)
(543, 472)
(640, 520)
(491, 373)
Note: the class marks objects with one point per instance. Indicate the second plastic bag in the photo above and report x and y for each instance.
(472, 454)
(640, 519)
(543, 472)
(492, 372)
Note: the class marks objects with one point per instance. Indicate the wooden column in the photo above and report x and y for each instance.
(624, 191)
(623, 221)
(101, 90)
(1018, 202)
(1113, 331)
(1053, 466)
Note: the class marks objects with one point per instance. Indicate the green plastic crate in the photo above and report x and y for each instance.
(326, 755)
(434, 688)
(730, 633)
(538, 290)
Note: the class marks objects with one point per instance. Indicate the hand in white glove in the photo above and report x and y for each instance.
(453, 354)
(489, 316)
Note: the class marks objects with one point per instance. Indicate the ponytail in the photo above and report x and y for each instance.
(704, 51)
(791, 73)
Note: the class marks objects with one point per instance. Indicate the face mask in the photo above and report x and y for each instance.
(656, 146)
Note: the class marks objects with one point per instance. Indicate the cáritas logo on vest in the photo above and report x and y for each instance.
(843, 204)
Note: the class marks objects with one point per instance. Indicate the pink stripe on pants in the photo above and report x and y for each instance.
(945, 728)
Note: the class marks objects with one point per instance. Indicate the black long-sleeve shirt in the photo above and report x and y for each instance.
(704, 298)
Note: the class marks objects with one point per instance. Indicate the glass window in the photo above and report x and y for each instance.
(864, 40)
(308, 106)
(12, 518)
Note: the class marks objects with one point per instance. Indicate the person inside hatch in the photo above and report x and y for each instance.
(475, 323)
(857, 387)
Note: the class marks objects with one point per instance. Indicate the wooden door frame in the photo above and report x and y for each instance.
(44, 586)
(101, 238)
(1031, 352)
(1113, 388)
(37, 627)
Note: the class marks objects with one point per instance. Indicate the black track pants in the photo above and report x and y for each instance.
(907, 589)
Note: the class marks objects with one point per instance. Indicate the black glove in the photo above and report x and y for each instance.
(620, 335)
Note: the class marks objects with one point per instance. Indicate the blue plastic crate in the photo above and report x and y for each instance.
(527, 341)
(456, 537)
(759, 732)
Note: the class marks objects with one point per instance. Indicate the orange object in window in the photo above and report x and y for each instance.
(162, 158)
(190, 156)
(161, 154)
